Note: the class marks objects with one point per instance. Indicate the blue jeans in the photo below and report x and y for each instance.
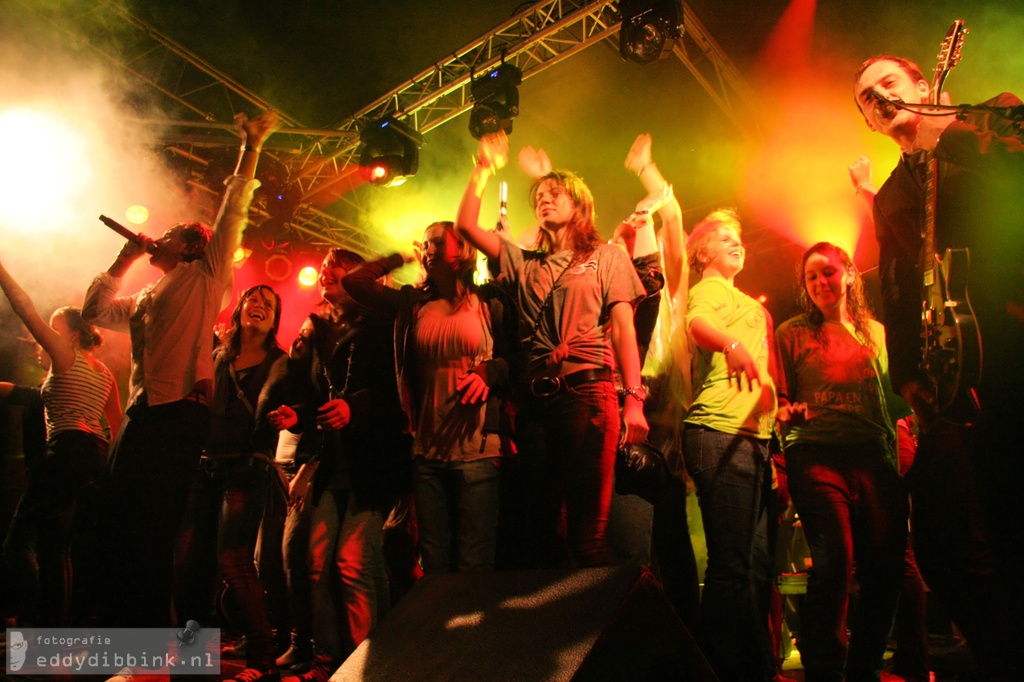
(853, 509)
(733, 480)
(457, 499)
(567, 444)
(348, 580)
(220, 527)
(295, 549)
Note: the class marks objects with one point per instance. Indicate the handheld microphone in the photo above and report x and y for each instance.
(125, 232)
(884, 107)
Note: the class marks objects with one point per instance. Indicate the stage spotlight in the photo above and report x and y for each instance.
(496, 100)
(136, 214)
(267, 236)
(276, 193)
(240, 256)
(308, 276)
(390, 152)
(649, 29)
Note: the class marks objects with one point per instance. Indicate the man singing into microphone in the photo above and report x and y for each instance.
(965, 482)
(164, 430)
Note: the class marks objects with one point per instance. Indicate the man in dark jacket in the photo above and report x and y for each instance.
(966, 477)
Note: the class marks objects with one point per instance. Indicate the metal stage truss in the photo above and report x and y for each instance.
(322, 162)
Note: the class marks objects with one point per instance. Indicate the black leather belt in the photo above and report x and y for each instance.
(545, 387)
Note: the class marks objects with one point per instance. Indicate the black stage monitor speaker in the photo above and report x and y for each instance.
(607, 624)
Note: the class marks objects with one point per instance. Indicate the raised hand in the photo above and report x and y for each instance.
(534, 162)
(258, 129)
(639, 156)
(493, 151)
(860, 172)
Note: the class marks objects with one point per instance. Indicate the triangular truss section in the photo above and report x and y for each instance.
(323, 163)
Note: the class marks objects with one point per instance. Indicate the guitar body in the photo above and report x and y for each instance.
(952, 339)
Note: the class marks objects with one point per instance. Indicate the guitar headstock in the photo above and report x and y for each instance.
(948, 57)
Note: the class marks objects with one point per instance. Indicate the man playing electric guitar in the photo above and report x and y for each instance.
(965, 483)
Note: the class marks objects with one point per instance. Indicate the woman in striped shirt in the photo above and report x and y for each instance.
(78, 393)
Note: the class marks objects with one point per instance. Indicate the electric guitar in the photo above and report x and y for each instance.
(952, 341)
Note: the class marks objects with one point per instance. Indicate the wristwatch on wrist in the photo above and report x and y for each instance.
(637, 392)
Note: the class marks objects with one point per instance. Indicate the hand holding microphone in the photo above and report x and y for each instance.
(148, 245)
(135, 246)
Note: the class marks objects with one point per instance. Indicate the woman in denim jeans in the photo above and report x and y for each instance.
(229, 492)
(725, 441)
(573, 294)
(451, 342)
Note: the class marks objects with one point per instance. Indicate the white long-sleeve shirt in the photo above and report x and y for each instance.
(171, 321)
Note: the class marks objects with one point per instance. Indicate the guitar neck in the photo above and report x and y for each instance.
(949, 54)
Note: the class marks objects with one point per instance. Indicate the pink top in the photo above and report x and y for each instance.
(448, 344)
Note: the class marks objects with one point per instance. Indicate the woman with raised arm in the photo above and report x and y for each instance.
(452, 344)
(725, 445)
(660, 261)
(837, 413)
(572, 293)
(78, 392)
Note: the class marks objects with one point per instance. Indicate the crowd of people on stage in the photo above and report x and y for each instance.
(454, 425)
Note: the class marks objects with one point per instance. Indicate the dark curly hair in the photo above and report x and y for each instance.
(233, 340)
(856, 302)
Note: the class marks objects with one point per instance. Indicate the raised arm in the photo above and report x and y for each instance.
(860, 176)
(234, 209)
(492, 155)
(255, 132)
(60, 350)
(661, 198)
(363, 284)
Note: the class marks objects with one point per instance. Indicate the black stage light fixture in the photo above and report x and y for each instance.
(389, 154)
(496, 100)
(277, 194)
(649, 29)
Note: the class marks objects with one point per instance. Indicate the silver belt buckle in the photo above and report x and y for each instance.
(545, 387)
